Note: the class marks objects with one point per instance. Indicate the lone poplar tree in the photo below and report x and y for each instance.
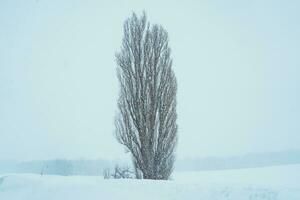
(146, 121)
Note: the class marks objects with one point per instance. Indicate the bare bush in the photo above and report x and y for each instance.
(118, 173)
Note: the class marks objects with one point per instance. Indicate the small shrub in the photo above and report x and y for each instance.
(118, 173)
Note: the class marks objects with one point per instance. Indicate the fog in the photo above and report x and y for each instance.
(237, 66)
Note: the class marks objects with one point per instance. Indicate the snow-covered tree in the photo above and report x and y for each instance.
(146, 122)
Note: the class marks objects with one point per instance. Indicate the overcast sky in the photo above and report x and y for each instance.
(237, 65)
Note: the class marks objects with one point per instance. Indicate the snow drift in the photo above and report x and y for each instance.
(269, 183)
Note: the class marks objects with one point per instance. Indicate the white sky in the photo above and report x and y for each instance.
(237, 64)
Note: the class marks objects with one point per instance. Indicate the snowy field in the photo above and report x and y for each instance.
(268, 183)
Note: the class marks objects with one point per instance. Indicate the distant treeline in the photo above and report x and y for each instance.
(239, 162)
(62, 167)
(96, 167)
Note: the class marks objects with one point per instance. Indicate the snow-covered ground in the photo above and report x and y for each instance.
(268, 183)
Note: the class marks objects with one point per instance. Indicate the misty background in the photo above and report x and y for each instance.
(236, 62)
